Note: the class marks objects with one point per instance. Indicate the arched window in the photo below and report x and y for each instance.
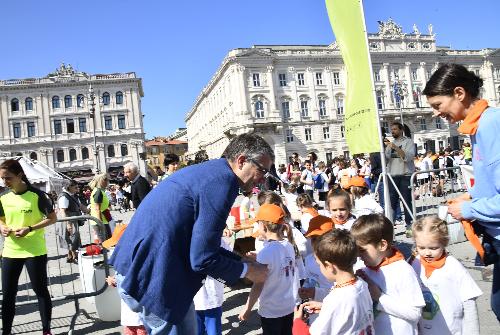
(28, 104)
(105, 98)
(259, 109)
(340, 105)
(68, 101)
(56, 102)
(124, 150)
(119, 98)
(14, 105)
(72, 154)
(33, 156)
(60, 155)
(111, 150)
(85, 153)
(79, 100)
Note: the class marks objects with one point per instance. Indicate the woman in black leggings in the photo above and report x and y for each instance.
(24, 212)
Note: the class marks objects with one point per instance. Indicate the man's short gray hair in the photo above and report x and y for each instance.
(251, 145)
(132, 167)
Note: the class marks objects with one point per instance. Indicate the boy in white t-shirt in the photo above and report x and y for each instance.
(306, 178)
(275, 295)
(394, 286)
(208, 301)
(347, 309)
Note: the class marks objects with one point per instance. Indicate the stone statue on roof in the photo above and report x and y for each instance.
(390, 29)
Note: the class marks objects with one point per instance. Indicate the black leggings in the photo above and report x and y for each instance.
(37, 270)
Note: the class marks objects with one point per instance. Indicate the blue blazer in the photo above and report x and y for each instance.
(173, 240)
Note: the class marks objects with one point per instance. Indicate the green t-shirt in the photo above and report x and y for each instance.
(23, 210)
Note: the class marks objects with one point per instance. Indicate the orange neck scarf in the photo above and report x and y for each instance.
(433, 265)
(338, 222)
(396, 256)
(471, 122)
(311, 211)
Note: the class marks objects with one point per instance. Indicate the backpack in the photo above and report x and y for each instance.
(319, 182)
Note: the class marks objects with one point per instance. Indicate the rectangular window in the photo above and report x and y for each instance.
(395, 74)
(329, 157)
(121, 121)
(423, 124)
(16, 129)
(439, 123)
(308, 134)
(108, 123)
(256, 79)
(497, 73)
(414, 74)
(300, 77)
(342, 131)
(57, 127)
(304, 111)
(380, 100)
(428, 73)
(70, 126)
(322, 107)
(285, 106)
(82, 123)
(319, 78)
(31, 129)
(385, 126)
(376, 75)
(336, 78)
(340, 106)
(289, 135)
(282, 79)
(326, 133)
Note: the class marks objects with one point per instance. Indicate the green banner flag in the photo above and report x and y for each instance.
(361, 117)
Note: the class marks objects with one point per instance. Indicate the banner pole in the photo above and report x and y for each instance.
(387, 203)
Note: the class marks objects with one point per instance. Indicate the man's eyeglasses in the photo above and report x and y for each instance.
(261, 169)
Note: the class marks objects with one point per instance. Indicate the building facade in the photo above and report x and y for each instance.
(294, 95)
(159, 146)
(57, 120)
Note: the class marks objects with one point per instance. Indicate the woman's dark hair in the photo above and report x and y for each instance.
(450, 76)
(13, 166)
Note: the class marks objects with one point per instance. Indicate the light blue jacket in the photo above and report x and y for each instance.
(485, 204)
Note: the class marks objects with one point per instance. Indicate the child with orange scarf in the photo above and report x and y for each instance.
(449, 291)
(393, 284)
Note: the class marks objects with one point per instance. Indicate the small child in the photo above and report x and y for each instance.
(316, 286)
(449, 291)
(276, 296)
(306, 206)
(393, 284)
(339, 205)
(208, 300)
(363, 203)
(291, 195)
(322, 193)
(347, 309)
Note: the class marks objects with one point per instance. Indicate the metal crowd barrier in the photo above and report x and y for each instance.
(441, 185)
(64, 279)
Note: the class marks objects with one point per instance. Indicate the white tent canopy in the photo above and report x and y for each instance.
(40, 175)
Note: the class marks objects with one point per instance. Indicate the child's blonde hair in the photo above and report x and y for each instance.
(432, 224)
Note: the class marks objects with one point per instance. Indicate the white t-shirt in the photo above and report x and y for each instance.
(277, 298)
(444, 293)
(308, 176)
(304, 222)
(291, 204)
(400, 288)
(425, 165)
(128, 317)
(347, 225)
(346, 310)
(366, 205)
(63, 202)
(211, 294)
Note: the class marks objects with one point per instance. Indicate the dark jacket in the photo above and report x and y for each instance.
(139, 189)
(173, 241)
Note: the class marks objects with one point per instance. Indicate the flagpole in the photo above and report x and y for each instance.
(387, 202)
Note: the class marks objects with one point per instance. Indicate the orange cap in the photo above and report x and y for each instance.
(270, 213)
(357, 181)
(113, 240)
(319, 225)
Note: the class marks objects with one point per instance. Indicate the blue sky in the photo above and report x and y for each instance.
(176, 46)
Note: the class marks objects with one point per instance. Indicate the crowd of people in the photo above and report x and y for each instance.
(325, 259)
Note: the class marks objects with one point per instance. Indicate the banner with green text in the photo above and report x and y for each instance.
(361, 117)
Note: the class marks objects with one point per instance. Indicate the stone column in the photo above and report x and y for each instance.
(488, 80)
(273, 110)
(410, 100)
(385, 76)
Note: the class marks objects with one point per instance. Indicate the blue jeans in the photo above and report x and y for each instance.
(210, 321)
(495, 290)
(155, 325)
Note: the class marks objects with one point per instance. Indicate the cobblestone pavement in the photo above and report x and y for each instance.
(65, 279)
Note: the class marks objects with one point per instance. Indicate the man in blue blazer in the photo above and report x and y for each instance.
(173, 240)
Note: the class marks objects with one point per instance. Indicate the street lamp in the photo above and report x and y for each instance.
(91, 100)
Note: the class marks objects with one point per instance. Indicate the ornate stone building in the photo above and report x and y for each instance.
(51, 119)
(293, 95)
